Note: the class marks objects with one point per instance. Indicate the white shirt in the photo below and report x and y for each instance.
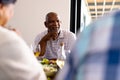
(17, 62)
(67, 37)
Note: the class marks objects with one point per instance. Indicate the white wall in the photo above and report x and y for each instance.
(30, 14)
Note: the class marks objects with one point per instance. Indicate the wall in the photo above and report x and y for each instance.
(30, 14)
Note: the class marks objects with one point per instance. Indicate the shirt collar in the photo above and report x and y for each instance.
(61, 34)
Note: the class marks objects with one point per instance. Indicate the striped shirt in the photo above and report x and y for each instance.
(67, 37)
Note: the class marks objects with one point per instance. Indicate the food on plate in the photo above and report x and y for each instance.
(45, 61)
(50, 67)
(50, 70)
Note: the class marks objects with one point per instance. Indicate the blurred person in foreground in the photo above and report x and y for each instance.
(48, 42)
(96, 53)
(17, 61)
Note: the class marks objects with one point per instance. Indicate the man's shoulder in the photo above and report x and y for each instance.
(67, 32)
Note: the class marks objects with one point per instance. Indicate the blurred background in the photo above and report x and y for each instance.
(75, 14)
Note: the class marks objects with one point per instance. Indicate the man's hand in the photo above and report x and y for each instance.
(54, 35)
(43, 42)
(50, 35)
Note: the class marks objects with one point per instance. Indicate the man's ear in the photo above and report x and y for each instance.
(45, 23)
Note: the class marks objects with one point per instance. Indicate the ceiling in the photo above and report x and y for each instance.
(98, 8)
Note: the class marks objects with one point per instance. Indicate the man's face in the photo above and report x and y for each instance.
(52, 23)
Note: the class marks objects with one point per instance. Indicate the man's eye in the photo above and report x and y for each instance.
(50, 21)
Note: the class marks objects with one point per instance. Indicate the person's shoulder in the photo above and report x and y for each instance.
(7, 35)
(68, 33)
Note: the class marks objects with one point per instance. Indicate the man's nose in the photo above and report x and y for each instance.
(56, 23)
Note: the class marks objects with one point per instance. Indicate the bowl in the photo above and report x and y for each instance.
(50, 70)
